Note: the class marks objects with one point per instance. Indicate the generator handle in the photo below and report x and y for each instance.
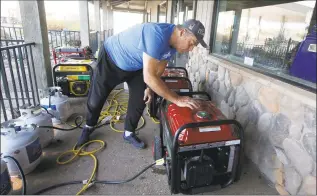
(195, 93)
(182, 68)
(164, 78)
(195, 125)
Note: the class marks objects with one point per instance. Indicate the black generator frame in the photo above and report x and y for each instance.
(175, 170)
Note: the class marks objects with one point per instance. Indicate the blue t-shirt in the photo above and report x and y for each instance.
(126, 48)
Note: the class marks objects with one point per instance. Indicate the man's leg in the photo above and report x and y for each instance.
(136, 107)
(103, 82)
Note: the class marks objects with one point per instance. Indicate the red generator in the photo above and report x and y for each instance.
(176, 79)
(202, 150)
(67, 52)
(177, 84)
(175, 72)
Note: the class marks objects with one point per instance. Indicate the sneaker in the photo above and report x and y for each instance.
(84, 138)
(134, 140)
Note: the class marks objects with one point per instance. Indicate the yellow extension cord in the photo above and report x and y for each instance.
(80, 152)
(120, 105)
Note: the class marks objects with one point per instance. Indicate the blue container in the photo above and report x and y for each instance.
(304, 64)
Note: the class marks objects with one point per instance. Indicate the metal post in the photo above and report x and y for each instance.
(21, 33)
(15, 34)
(3, 107)
(6, 86)
(23, 75)
(19, 76)
(10, 33)
(30, 74)
(35, 81)
(13, 78)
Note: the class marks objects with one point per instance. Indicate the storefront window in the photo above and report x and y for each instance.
(269, 36)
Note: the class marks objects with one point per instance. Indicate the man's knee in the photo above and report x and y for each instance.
(94, 103)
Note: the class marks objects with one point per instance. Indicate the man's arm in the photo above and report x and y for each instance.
(161, 67)
(152, 71)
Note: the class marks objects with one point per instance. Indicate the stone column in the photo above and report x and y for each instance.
(105, 19)
(35, 30)
(84, 22)
(110, 20)
(195, 8)
(169, 11)
(97, 20)
(145, 12)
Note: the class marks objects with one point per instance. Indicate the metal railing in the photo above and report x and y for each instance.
(12, 33)
(63, 38)
(55, 37)
(8, 42)
(11, 43)
(18, 80)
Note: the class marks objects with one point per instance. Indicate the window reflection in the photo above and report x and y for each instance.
(262, 34)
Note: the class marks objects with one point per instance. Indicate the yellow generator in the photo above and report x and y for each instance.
(73, 77)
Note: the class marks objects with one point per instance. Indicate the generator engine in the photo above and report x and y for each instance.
(202, 149)
(73, 77)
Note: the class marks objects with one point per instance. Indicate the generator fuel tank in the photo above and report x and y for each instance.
(179, 116)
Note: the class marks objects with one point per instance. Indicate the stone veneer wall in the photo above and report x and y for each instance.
(280, 124)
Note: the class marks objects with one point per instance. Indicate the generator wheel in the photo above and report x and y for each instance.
(157, 148)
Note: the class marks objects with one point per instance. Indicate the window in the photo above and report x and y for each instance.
(268, 36)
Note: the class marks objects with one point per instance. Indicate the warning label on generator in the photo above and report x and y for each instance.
(34, 150)
(209, 129)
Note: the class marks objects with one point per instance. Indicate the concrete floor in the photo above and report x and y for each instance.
(120, 161)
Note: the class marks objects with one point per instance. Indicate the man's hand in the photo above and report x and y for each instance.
(147, 96)
(184, 101)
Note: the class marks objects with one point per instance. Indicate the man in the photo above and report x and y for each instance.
(139, 56)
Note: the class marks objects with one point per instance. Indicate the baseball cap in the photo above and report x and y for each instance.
(196, 28)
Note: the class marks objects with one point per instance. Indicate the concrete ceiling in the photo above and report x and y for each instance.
(128, 5)
(125, 5)
(132, 4)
